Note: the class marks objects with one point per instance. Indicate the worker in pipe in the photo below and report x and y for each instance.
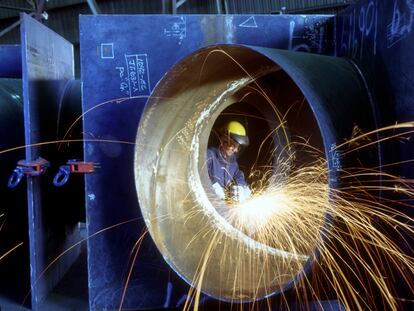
(227, 179)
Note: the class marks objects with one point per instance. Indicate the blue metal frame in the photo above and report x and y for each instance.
(48, 67)
(378, 36)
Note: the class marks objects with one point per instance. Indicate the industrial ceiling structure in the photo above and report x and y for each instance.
(62, 15)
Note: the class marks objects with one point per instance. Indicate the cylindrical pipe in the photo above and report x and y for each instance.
(15, 271)
(170, 159)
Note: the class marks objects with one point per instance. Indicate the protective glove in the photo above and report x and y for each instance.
(219, 191)
(243, 193)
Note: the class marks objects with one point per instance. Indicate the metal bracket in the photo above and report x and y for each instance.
(75, 167)
(34, 168)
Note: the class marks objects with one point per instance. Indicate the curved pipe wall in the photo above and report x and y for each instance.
(15, 280)
(171, 177)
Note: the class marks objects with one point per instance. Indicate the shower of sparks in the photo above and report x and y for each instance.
(360, 249)
(356, 235)
(279, 209)
(5, 254)
(67, 137)
(3, 221)
(54, 142)
(10, 251)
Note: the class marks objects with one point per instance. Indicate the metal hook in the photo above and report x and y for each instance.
(15, 178)
(62, 176)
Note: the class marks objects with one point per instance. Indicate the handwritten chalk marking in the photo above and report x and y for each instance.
(249, 23)
(137, 75)
(177, 29)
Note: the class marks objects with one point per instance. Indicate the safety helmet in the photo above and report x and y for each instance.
(237, 132)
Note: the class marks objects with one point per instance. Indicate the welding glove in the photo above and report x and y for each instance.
(219, 191)
(243, 193)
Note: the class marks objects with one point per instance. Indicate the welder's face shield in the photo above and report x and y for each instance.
(230, 147)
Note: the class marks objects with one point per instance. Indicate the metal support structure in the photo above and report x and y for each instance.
(315, 9)
(15, 8)
(171, 6)
(41, 47)
(174, 6)
(164, 6)
(219, 7)
(31, 3)
(225, 6)
(179, 3)
(12, 26)
(93, 6)
(37, 7)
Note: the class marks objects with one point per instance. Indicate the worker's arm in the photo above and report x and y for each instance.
(218, 189)
(238, 175)
(210, 166)
(243, 189)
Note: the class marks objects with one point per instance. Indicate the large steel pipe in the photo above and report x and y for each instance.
(329, 98)
(14, 269)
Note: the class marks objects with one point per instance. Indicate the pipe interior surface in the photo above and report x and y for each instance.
(282, 98)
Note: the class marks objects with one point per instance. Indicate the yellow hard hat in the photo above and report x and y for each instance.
(237, 132)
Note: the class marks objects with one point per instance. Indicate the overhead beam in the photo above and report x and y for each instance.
(12, 26)
(31, 3)
(39, 5)
(15, 8)
(93, 6)
(225, 6)
(170, 6)
(222, 6)
(180, 3)
(219, 6)
(316, 8)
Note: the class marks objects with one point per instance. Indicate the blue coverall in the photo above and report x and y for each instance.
(223, 171)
